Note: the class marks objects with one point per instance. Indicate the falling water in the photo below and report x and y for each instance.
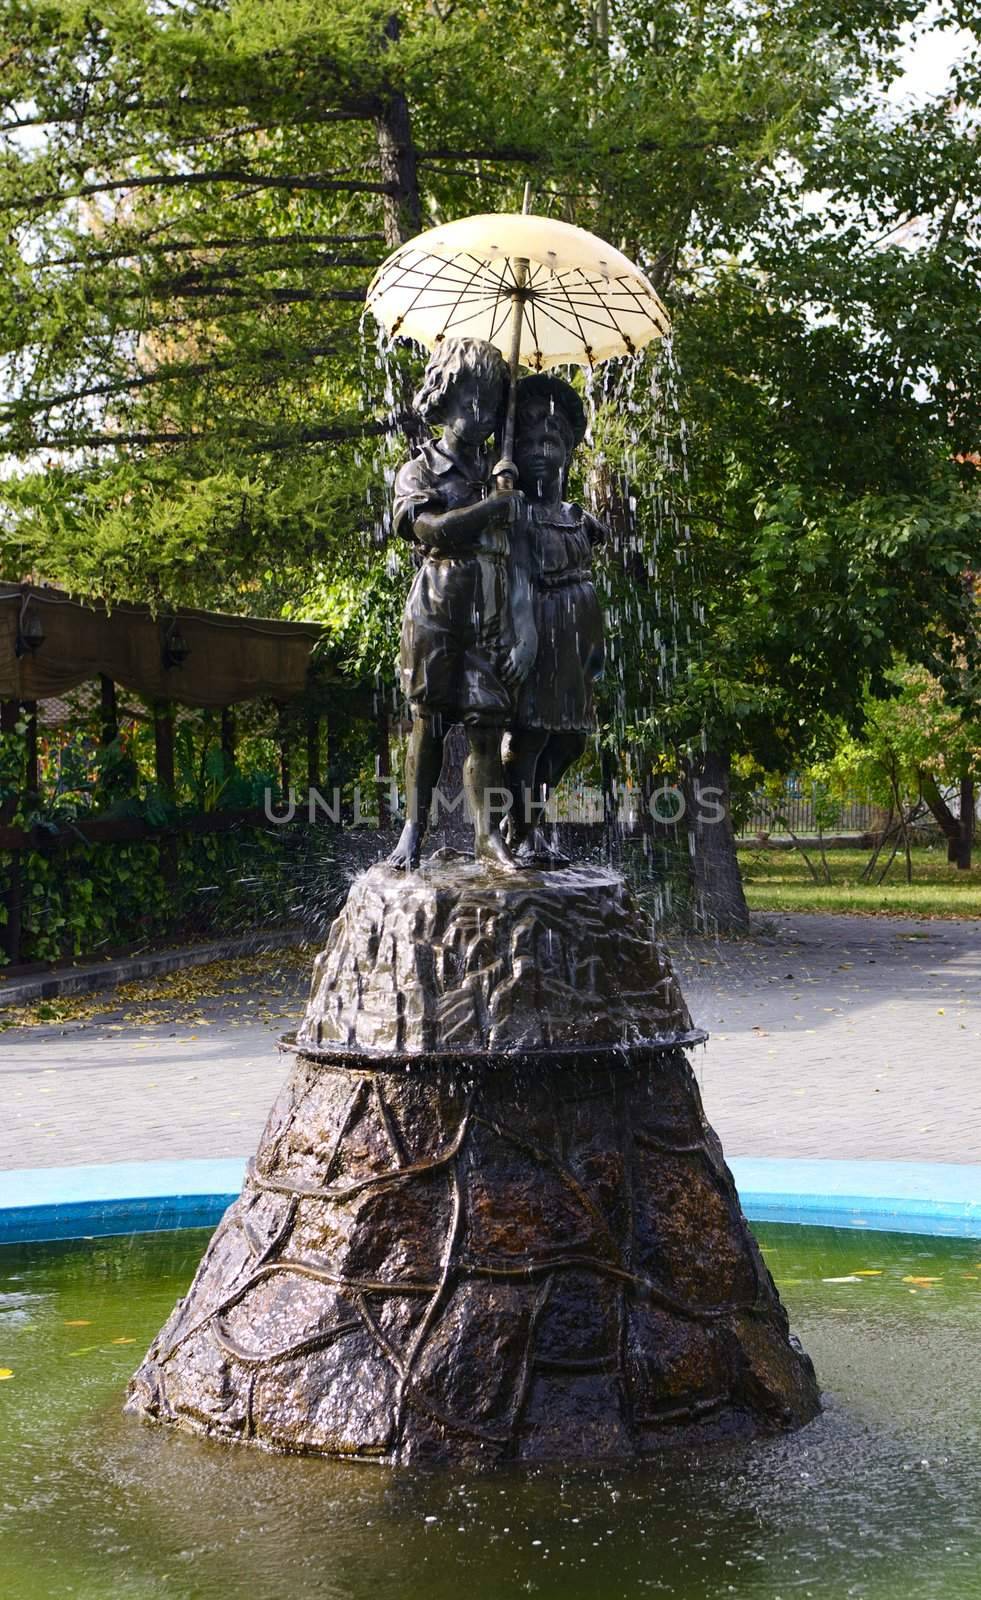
(636, 478)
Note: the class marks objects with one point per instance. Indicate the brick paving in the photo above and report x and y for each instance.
(832, 1036)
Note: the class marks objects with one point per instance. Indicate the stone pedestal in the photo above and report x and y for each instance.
(453, 1251)
(458, 958)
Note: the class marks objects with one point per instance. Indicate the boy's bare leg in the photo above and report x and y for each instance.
(562, 752)
(483, 782)
(423, 765)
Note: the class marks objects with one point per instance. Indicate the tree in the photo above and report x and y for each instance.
(198, 196)
(914, 748)
(828, 372)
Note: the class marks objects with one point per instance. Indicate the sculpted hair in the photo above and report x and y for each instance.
(565, 404)
(564, 401)
(449, 361)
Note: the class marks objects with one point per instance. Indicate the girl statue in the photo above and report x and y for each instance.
(461, 658)
(554, 710)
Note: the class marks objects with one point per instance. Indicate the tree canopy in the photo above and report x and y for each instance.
(195, 197)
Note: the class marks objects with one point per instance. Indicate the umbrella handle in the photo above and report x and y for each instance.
(506, 472)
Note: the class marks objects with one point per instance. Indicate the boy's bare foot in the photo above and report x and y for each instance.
(405, 856)
(491, 849)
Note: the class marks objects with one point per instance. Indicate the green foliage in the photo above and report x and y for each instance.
(92, 898)
(362, 613)
(80, 899)
(912, 733)
(195, 206)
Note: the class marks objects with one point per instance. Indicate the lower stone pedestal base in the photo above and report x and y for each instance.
(528, 1258)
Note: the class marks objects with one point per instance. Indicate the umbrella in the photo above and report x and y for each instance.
(544, 292)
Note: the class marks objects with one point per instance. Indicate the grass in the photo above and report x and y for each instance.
(779, 880)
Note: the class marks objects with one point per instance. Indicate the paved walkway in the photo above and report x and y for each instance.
(832, 1036)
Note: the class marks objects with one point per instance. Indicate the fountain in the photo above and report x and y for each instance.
(487, 1220)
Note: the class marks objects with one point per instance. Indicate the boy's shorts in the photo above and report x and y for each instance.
(452, 640)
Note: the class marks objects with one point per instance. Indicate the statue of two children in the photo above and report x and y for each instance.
(502, 630)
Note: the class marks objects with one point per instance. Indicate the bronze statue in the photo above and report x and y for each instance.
(554, 710)
(462, 655)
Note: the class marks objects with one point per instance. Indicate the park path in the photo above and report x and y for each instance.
(832, 1036)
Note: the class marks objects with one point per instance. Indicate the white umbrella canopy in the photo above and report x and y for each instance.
(580, 300)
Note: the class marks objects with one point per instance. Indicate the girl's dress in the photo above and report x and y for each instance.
(558, 692)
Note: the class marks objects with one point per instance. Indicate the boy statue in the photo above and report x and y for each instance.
(465, 646)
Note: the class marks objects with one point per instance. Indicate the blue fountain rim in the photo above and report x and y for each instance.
(937, 1199)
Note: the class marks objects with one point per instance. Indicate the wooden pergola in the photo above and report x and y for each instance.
(51, 643)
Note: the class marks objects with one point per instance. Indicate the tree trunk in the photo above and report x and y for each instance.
(283, 731)
(718, 888)
(965, 840)
(163, 739)
(958, 831)
(383, 764)
(609, 770)
(313, 749)
(9, 718)
(228, 737)
(401, 212)
(13, 898)
(32, 778)
(401, 206)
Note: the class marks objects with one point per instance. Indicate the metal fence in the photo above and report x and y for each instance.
(806, 812)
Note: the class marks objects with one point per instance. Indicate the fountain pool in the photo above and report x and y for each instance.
(879, 1495)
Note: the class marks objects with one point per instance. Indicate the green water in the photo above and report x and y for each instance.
(879, 1497)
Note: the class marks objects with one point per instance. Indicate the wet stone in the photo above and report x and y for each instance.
(580, 1322)
(463, 958)
(485, 1256)
(687, 1232)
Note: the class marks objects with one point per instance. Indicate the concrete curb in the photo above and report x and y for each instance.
(919, 1197)
(108, 974)
(938, 1198)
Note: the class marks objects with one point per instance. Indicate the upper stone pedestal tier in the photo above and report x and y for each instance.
(456, 959)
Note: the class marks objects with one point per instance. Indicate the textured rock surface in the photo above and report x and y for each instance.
(487, 1219)
(456, 958)
(533, 1259)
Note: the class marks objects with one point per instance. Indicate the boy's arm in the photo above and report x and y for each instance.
(415, 494)
(460, 529)
(420, 513)
(598, 531)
